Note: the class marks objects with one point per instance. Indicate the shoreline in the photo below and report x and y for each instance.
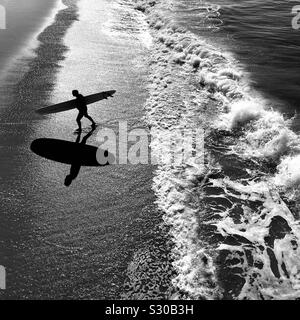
(35, 74)
(27, 87)
(27, 36)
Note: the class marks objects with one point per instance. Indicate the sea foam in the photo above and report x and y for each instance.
(195, 84)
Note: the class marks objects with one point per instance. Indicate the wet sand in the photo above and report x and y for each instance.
(24, 21)
(76, 242)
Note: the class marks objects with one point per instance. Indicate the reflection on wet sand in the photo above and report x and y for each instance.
(76, 154)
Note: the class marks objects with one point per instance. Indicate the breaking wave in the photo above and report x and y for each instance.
(127, 23)
(232, 208)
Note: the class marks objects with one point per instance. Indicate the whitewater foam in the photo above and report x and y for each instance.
(288, 172)
(127, 23)
(195, 84)
(266, 254)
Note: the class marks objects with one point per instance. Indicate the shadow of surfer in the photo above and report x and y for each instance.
(75, 166)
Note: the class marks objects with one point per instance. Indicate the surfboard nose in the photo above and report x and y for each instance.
(34, 147)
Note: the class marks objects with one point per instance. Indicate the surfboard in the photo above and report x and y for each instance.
(71, 104)
(71, 152)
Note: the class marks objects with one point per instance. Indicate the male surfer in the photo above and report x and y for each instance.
(82, 107)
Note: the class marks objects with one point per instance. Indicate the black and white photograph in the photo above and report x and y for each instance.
(150, 151)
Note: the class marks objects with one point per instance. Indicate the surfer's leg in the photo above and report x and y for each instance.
(79, 117)
(91, 119)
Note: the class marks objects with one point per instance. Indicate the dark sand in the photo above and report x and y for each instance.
(75, 242)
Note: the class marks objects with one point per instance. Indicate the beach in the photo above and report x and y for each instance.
(76, 242)
(216, 217)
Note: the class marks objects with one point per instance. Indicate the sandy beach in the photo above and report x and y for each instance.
(75, 242)
(202, 88)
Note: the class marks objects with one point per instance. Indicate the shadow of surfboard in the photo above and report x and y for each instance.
(76, 154)
(71, 152)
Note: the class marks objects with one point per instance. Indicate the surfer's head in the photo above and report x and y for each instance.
(75, 93)
(68, 180)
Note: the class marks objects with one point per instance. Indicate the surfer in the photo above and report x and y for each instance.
(82, 107)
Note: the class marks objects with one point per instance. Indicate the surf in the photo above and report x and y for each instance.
(237, 215)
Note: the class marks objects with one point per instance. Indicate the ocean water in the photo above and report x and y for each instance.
(24, 20)
(230, 68)
(260, 34)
